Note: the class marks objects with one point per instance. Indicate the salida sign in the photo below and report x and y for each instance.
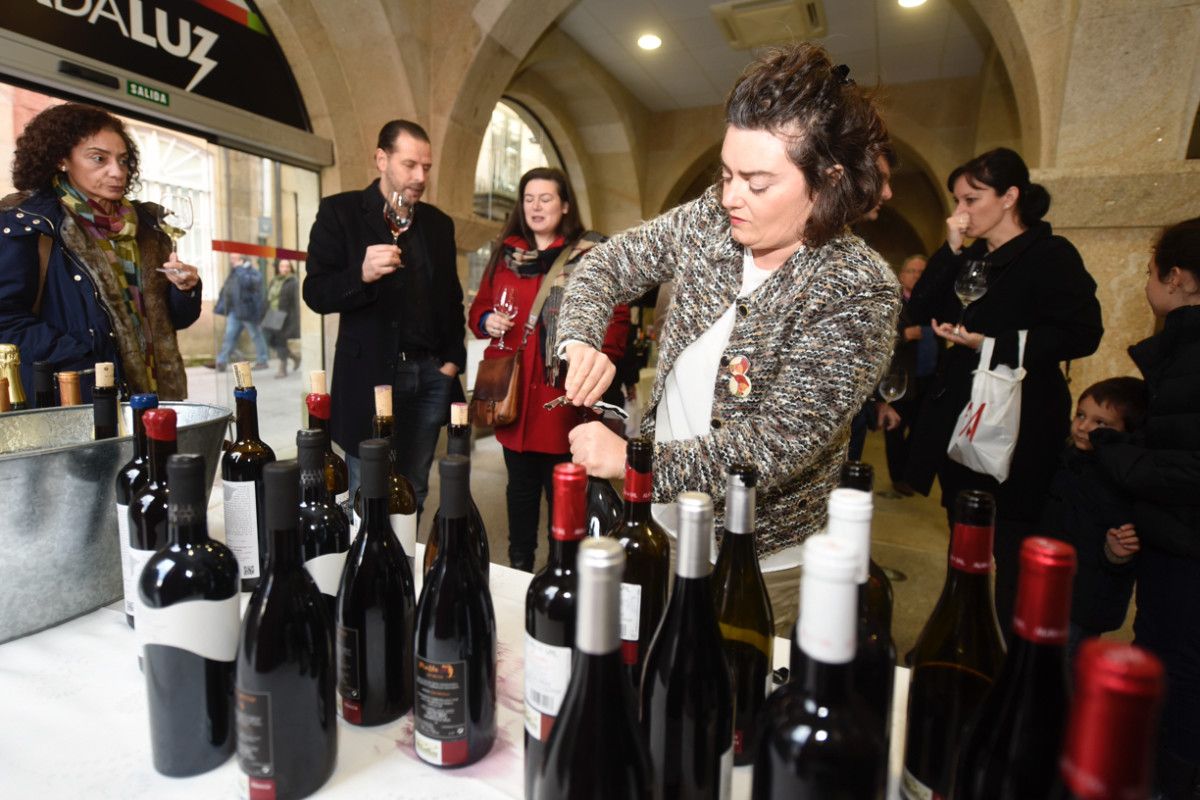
(220, 49)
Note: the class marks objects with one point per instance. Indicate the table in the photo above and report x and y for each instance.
(74, 722)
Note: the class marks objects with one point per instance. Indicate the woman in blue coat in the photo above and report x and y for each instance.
(86, 274)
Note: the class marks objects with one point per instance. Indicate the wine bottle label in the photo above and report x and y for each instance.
(326, 571)
(405, 528)
(241, 525)
(913, 789)
(725, 787)
(547, 673)
(126, 565)
(343, 498)
(349, 677)
(137, 562)
(254, 739)
(440, 712)
(631, 621)
(208, 628)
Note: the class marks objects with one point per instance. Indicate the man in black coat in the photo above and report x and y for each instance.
(402, 321)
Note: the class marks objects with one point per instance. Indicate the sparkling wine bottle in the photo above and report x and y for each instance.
(550, 616)
(957, 656)
(320, 408)
(375, 608)
(148, 506)
(743, 611)
(10, 368)
(130, 478)
(1011, 751)
(188, 624)
(687, 697)
(284, 695)
(1108, 753)
(454, 713)
(817, 739)
(324, 529)
(458, 443)
(596, 750)
(242, 480)
(647, 561)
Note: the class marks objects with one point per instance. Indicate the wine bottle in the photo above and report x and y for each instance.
(957, 655)
(647, 561)
(5, 402)
(743, 610)
(454, 711)
(324, 529)
(130, 478)
(596, 750)
(880, 596)
(603, 506)
(874, 667)
(375, 608)
(458, 443)
(69, 393)
(817, 739)
(402, 500)
(43, 385)
(104, 402)
(320, 408)
(148, 506)
(687, 697)
(10, 368)
(1011, 750)
(550, 616)
(1108, 753)
(188, 624)
(242, 478)
(284, 698)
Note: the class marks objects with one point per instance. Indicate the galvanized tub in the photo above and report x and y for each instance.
(59, 554)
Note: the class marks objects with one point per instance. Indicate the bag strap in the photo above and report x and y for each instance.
(45, 245)
(551, 276)
(1021, 337)
(985, 353)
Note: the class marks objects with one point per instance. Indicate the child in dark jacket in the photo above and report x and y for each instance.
(1086, 509)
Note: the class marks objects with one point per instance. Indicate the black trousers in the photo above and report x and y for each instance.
(529, 476)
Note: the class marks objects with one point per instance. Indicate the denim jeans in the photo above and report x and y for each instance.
(420, 406)
(233, 329)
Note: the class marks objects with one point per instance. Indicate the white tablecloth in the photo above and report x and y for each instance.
(74, 723)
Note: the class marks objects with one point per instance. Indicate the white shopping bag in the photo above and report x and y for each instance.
(986, 432)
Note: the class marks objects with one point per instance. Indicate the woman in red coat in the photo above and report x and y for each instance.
(543, 226)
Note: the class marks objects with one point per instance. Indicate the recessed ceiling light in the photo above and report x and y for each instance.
(648, 41)
(911, 3)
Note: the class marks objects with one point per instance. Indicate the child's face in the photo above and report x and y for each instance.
(1090, 415)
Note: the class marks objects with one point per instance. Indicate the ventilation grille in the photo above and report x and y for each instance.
(753, 23)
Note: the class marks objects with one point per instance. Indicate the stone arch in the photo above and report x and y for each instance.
(690, 175)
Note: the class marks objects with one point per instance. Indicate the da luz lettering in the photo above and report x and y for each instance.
(192, 42)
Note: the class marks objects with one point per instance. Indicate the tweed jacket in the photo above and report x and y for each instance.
(818, 334)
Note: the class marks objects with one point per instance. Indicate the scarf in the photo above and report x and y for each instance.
(115, 235)
(527, 262)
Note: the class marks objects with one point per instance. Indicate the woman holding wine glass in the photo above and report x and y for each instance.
(1015, 275)
(86, 274)
(543, 229)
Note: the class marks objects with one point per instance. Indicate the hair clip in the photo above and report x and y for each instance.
(842, 73)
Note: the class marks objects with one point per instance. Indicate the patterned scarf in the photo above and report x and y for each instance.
(116, 236)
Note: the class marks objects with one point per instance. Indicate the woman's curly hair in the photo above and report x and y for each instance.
(827, 121)
(50, 136)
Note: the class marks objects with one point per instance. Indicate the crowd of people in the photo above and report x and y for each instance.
(781, 325)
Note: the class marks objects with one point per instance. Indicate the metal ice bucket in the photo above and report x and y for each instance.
(59, 554)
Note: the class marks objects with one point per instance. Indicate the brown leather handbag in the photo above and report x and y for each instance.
(496, 399)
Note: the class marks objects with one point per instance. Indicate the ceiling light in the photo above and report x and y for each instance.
(911, 3)
(648, 41)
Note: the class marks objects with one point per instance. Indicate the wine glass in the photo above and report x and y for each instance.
(175, 218)
(398, 211)
(970, 285)
(894, 385)
(505, 306)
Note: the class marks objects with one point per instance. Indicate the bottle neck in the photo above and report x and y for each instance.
(312, 482)
(139, 435)
(826, 683)
(598, 621)
(286, 552)
(375, 514)
(563, 553)
(186, 524)
(247, 418)
(319, 424)
(458, 440)
(638, 493)
(160, 451)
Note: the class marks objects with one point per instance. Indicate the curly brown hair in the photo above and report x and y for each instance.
(50, 136)
(797, 93)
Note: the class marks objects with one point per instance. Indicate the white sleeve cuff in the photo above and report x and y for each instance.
(562, 348)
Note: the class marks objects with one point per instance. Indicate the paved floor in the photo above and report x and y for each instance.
(910, 534)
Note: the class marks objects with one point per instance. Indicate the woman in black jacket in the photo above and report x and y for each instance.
(283, 312)
(1160, 468)
(1036, 282)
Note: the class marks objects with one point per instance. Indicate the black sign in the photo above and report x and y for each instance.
(220, 49)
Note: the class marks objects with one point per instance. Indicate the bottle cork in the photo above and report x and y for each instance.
(68, 389)
(105, 375)
(242, 374)
(5, 405)
(383, 401)
(316, 380)
(459, 414)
